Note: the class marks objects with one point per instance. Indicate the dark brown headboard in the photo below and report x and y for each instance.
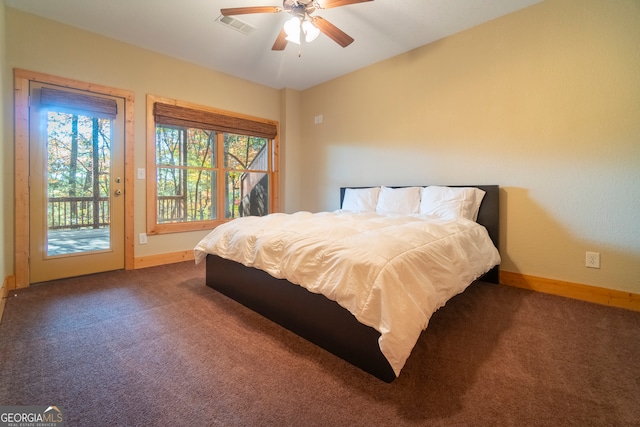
(488, 216)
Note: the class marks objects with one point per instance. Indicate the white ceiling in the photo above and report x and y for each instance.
(187, 30)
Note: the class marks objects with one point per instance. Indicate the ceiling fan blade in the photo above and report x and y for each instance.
(328, 4)
(333, 32)
(281, 41)
(247, 10)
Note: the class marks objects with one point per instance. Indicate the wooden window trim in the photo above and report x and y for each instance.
(268, 127)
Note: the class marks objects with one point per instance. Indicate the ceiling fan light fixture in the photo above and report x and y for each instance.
(296, 26)
(311, 31)
(292, 28)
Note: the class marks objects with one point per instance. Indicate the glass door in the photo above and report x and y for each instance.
(76, 216)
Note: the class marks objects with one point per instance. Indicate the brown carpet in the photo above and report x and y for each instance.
(156, 347)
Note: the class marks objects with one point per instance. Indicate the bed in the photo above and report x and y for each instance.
(328, 321)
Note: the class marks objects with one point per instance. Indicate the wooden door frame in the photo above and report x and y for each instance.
(22, 78)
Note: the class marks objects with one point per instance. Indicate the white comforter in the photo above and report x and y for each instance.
(391, 272)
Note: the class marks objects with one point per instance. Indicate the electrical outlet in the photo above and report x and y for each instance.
(142, 238)
(593, 260)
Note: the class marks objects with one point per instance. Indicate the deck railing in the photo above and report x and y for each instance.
(171, 209)
(72, 213)
(78, 212)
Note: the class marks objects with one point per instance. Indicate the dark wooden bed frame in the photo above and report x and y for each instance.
(317, 318)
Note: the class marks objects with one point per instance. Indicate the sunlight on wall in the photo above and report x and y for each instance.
(543, 102)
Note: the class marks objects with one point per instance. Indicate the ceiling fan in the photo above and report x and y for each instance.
(302, 27)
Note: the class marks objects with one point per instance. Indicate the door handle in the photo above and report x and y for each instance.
(118, 192)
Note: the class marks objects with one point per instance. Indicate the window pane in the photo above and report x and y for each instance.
(185, 195)
(243, 152)
(247, 194)
(176, 146)
(78, 170)
(170, 200)
(201, 195)
(200, 148)
(169, 145)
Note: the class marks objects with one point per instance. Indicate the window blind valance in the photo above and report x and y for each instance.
(168, 114)
(96, 105)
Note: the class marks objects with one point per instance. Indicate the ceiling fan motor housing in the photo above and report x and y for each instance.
(299, 8)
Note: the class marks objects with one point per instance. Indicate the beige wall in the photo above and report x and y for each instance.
(544, 102)
(290, 153)
(6, 162)
(45, 46)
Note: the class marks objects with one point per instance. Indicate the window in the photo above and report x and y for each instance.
(77, 182)
(206, 166)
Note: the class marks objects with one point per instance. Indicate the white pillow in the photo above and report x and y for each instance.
(451, 202)
(360, 199)
(399, 201)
